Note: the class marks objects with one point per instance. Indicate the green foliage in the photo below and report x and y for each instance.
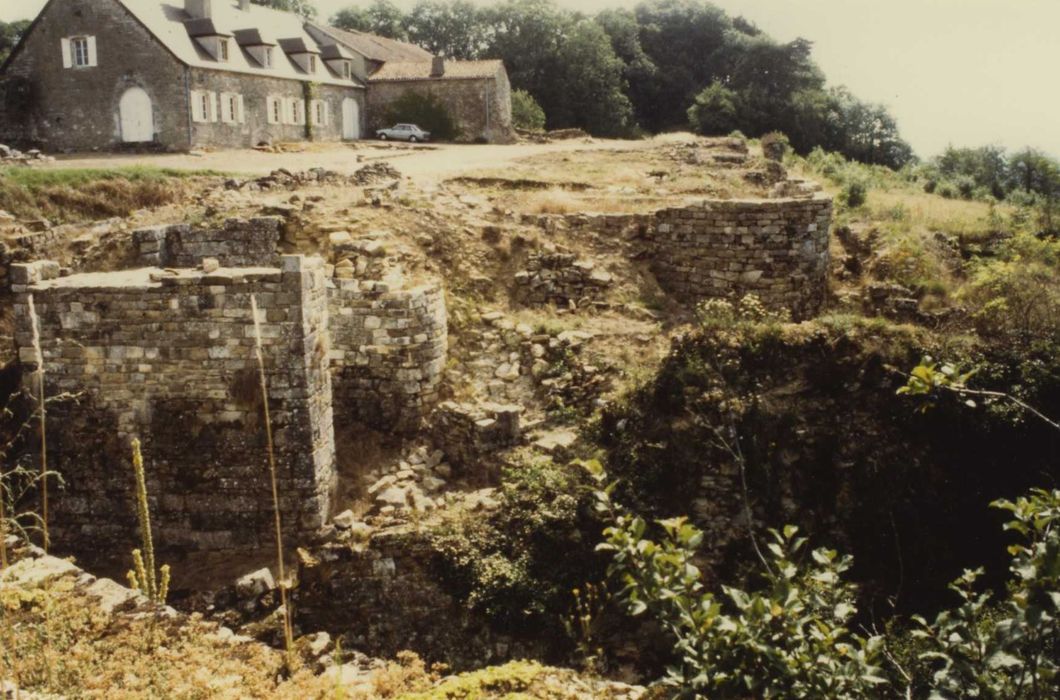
(526, 112)
(1015, 653)
(382, 17)
(1016, 294)
(791, 638)
(426, 111)
(10, 35)
(854, 194)
(519, 565)
(749, 310)
(658, 66)
(306, 8)
(714, 111)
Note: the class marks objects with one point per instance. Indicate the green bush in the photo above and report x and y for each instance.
(854, 195)
(427, 112)
(526, 112)
(714, 111)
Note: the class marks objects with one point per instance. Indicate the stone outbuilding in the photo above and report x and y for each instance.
(94, 75)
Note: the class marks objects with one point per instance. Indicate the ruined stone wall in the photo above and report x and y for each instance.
(389, 350)
(238, 243)
(560, 278)
(169, 357)
(776, 249)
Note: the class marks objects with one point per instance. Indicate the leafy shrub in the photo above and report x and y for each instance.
(427, 112)
(526, 112)
(791, 639)
(519, 565)
(1014, 653)
(1017, 295)
(854, 195)
(714, 111)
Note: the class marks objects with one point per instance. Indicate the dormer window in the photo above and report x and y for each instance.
(346, 70)
(312, 64)
(223, 50)
(266, 57)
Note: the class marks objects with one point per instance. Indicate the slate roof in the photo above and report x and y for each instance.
(421, 70)
(376, 48)
(169, 23)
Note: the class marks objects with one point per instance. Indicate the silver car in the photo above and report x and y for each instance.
(403, 132)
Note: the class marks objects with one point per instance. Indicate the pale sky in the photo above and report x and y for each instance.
(967, 72)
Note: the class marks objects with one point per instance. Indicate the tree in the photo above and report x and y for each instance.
(10, 35)
(714, 111)
(381, 17)
(454, 29)
(526, 112)
(589, 91)
(306, 8)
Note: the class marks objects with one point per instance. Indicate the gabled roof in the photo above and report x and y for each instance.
(375, 48)
(421, 70)
(173, 27)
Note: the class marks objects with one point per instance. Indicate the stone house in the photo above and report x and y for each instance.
(477, 94)
(181, 74)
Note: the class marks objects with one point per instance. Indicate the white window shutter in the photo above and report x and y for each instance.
(92, 61)
(68, 56)
(270, 106)
(213, 106)
(241, 115)
(194, 98)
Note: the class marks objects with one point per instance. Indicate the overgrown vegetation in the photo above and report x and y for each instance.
(71, 194)
(426, 111)
(526, 112)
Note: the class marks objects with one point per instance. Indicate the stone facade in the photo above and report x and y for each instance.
(169, 357)
(389, 350)
(560, 278)
(78, 109)
(481, 108)
(67, 109)
(238, 243)
(776, 249)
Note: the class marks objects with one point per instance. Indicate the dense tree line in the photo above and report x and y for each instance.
(667, 64)
(989, 171)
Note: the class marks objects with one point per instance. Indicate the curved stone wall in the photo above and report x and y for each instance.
(776, 249)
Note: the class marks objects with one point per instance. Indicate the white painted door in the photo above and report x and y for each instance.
(351, 119)
(137, 120)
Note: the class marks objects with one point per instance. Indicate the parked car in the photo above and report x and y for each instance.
(403, 132)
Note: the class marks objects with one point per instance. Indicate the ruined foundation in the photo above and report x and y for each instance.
(169, 357)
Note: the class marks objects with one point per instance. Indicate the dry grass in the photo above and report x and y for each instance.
(53, 639)
(66, 195)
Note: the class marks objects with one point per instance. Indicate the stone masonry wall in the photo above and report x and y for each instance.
(76, 109)
(169, 357)
(560, 278)
(776, 249)
(389, 350)
(238, 243)
(482, 109)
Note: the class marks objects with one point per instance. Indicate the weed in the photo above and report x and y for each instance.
(144, 578)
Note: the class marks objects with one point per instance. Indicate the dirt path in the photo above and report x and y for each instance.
(425, 164)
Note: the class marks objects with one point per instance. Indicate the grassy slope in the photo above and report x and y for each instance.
(68, 194)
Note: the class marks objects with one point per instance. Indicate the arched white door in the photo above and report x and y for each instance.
(137, 118)
(351, 119)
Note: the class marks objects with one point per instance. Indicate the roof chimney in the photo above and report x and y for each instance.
(198, 9)
(244, 5)
(438, 67)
